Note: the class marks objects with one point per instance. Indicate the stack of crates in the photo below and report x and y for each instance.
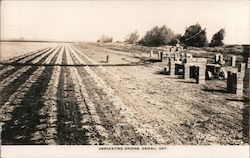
(235, 83)
(201, 74)
(246, 59)
(247, 81)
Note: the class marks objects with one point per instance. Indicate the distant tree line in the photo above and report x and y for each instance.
(159, 36)
(194, 35)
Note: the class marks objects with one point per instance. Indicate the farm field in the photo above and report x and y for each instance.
(12, 49)
(66, 93)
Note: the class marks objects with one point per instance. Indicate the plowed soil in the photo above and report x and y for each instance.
(70, 94)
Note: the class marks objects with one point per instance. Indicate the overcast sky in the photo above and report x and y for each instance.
(88, 20)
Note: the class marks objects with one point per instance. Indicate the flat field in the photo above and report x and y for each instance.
(12, 49)
(69, 94)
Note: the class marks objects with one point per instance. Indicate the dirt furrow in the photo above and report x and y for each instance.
(13, 77)
(15, 71)
(52, 55)
(22, 130)
(22, 57)
(33, 56)
(7, 68)
(35, 61)
(117, 133)
(10, 84)
(20, 71)
(122, 110)
(90, 119)
(70, 127)
(15, 99)
(60, 55)
(49, 107)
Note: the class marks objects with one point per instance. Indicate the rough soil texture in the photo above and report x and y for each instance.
(127, 100)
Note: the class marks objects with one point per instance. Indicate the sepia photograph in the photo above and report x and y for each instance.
(115, 74)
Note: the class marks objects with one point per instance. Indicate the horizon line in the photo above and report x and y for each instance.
(72, 41)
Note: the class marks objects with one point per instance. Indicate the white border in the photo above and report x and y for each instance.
(87, 151)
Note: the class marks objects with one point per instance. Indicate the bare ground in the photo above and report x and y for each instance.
(125, 101)
(197, 114)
